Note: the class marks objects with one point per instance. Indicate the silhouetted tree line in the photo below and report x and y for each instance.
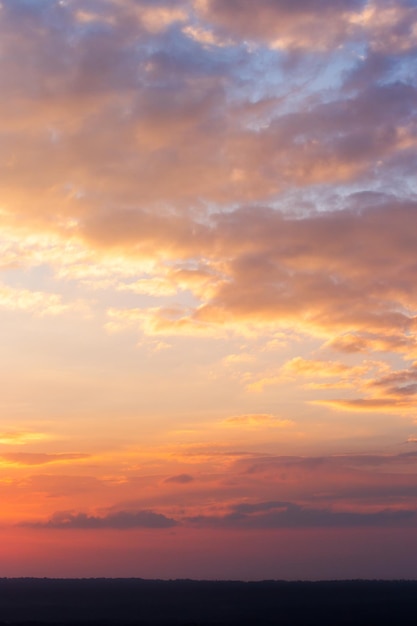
(129, 602)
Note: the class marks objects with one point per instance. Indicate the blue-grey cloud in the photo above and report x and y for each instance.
(181, 479)
(120, 520)
(290, 515)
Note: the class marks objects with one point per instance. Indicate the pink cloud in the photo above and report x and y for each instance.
(283, 23)
(39, 458)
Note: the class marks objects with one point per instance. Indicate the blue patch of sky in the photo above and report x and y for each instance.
(329, 80)
(92, 27)
(403, 69)
(265, 77)
(400, 177)
(30, 6)
(322, 197)
(49, 12)
(36, 278)
(193, 57)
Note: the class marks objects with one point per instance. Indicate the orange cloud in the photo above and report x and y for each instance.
(257, 420)
(316, 370)
(19, 437)
(391, 391)
(38, 458)
(33, 301)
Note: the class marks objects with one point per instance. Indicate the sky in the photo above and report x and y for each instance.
(208, 305)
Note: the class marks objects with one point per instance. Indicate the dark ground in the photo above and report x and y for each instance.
(128, 602)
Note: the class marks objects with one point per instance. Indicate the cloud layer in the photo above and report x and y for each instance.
(122, 520)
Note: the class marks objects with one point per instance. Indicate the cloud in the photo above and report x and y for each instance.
(91, 115)
(35, 301)
(380, 480)
(238, 489)
(283, 24)
(109, 137)
(39, 458)
(335, 462)
(19, 437)
(159, 18)
(290, 515)
(121, 520)
(257, 421)
(385, 405)
(278, 275)
(299, 366)
(397, 384)
(314, 370)
(238, 359)
(349, 343)
(393, 391)
(391, 26)
(283, 273)
(180, 479)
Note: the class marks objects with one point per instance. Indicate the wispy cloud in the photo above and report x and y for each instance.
(290, 515)
(40, 458)
(21, 437)
(256, 421)
(36, 302)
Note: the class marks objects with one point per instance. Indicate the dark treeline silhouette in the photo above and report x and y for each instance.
(125, 602)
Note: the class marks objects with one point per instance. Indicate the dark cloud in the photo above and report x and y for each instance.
(397, 384)
(121, 520)
(331, 464)
(289, 515)
(181, 479)
(384, 480)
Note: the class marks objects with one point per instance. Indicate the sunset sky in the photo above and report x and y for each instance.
(208, 288)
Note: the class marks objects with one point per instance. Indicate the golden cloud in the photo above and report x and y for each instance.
(257, 420)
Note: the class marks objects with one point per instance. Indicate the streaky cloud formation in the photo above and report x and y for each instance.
(180, 479)
(120, 520)
(33, 458)
(288, 515)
